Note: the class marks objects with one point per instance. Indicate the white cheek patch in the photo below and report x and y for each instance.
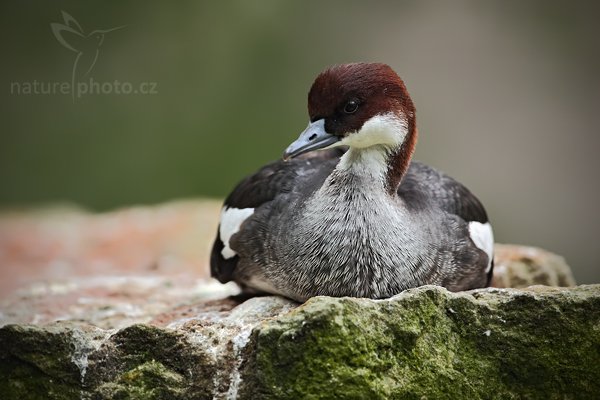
(483, 237)
(231, 220)
(382, 129)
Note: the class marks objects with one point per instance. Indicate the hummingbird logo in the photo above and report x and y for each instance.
(85, 46)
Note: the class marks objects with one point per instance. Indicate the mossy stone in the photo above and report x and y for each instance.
(426, 343)
(430, 343)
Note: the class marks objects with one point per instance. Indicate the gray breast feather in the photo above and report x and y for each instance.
(307, 241)
(319, 246)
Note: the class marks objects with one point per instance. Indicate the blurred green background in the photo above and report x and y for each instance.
(507, 93)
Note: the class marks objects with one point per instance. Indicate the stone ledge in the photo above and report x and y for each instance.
(540, 342)
(118, 305)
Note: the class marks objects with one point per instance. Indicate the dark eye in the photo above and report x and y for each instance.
(351, 107)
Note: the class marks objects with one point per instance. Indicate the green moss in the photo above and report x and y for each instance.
(140, 361)
(151, 380)
(426, 343)
(25, 381)
(144, 361)
(429, 343)
(37, 363)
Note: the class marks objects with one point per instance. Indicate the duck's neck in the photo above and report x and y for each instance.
(399, 160)
(381, 167)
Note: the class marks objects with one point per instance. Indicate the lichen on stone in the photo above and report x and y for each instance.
(150, 380)
(540, 342)
(430, 343)
(38, 362)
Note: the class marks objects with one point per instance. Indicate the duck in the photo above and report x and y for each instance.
(345, 211)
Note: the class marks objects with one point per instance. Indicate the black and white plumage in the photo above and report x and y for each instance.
(362, 222)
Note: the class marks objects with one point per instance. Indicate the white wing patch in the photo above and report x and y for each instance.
(483, 237)
(231, 220)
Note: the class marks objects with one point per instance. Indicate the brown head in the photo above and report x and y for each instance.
(360, 105)
(348, 95)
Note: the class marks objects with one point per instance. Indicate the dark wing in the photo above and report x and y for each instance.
(263, 187)
(424, 184)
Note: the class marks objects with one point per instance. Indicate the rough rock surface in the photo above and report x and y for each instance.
(117, 305)
(54, 244)
(541, 342)
(521, 266)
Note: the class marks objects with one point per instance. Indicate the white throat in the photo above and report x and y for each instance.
(370, 162)
(371, 146)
